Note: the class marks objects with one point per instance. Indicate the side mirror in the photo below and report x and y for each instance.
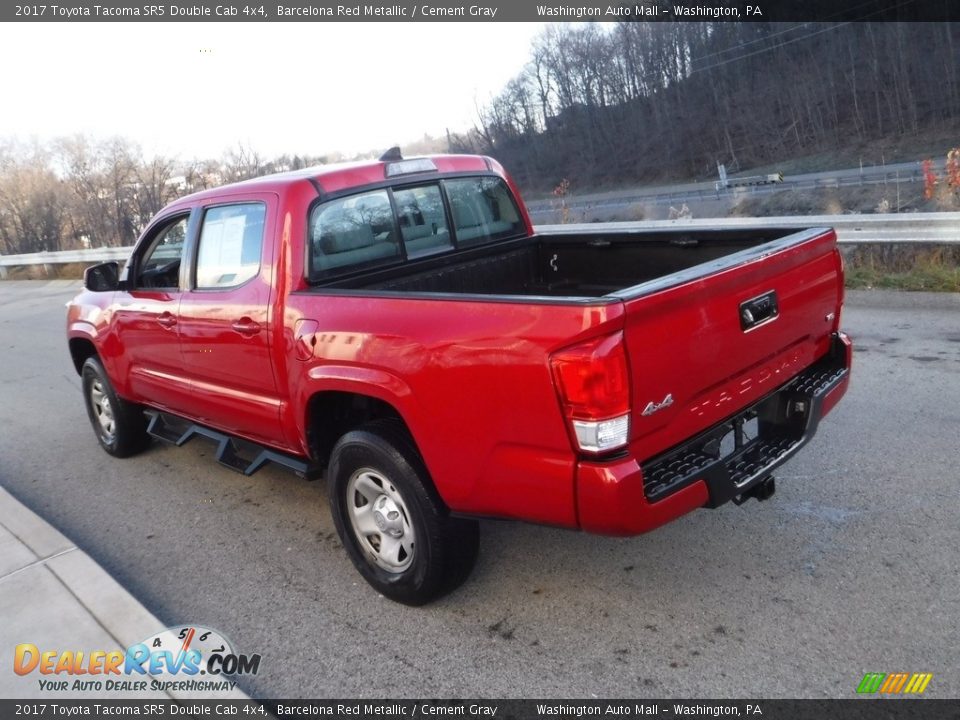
(103, 277)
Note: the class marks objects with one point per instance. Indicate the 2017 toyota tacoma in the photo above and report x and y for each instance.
(400, 327)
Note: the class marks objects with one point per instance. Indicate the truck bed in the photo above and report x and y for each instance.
(574, 265)
(712, 322)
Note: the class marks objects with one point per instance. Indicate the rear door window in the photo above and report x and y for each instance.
(231, 240)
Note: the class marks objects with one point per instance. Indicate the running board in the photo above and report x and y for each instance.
(170, 428)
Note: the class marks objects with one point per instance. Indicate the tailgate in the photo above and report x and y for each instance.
(709, 341)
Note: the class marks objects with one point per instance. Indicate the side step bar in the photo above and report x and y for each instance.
(239, 455)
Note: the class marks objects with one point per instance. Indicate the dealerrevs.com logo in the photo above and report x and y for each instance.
(182, 659)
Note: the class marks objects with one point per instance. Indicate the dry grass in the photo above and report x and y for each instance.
(935, 270)
(67, 271)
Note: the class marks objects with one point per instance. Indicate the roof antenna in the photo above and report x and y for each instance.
(392, 155)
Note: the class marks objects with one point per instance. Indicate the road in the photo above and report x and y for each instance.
(851, 567)
(907, 172)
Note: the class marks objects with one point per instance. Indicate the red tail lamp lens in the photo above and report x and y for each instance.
(592, 378)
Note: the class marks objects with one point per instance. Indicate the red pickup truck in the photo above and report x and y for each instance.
(400, 327)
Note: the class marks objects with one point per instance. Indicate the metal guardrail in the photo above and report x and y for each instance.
(61, 257)
(943, 227)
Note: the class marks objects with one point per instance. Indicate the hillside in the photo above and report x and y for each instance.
(647, 103)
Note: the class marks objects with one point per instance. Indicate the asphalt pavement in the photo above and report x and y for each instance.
(56, 597)
(851, 567)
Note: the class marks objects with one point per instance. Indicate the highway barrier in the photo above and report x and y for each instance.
(941, 228)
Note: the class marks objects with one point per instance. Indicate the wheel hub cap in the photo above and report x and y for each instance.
(103, 409)
(380, 520)
(386, 515)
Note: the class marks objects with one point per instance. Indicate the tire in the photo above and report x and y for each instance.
(390, 519)
(119, 425)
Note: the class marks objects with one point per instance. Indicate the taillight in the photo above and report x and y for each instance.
(841, 294)
(594, 386)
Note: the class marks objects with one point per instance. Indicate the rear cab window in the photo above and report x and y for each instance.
(354, 231)
(423, 220)
(388, 226)
(483, 210)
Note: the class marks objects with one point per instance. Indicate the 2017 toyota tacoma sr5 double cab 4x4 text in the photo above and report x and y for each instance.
(401, 328)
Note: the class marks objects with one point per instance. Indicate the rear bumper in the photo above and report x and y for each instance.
(623, 497)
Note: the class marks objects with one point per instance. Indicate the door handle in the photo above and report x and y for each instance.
(167, 320)
(759, 310)
(246, 326)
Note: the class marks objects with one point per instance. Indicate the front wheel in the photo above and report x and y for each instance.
(119, 425)
(390, 519)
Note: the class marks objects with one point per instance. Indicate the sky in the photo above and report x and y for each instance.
(192, 90)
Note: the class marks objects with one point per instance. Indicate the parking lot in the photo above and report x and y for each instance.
(851, 567)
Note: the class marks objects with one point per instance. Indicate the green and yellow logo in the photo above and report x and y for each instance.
(894, 683)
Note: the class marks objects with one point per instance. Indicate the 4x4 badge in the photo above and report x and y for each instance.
(652, 407)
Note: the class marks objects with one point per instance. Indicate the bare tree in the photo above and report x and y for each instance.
(242, 163)
(33, 204)
(660, 100)
(155, 187)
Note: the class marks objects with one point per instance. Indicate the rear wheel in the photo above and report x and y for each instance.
(390, 519)
(119, 425)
